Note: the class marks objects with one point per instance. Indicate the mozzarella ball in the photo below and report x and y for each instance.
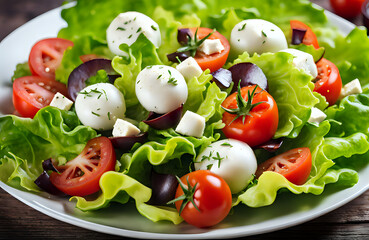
(161, 89)
(100, 105)
(304, 61)
(126, 28)
(232, 160)
(256, 36)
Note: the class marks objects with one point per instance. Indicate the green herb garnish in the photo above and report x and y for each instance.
(193, 43)
(218, 158)
(242, 28)
(188, 194)
(243, 108)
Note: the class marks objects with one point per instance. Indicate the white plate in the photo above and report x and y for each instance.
(124, 220)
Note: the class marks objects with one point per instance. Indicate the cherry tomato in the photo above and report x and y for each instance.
(46, 56)
(257, 128)
(80, 176)
(215, 60)
(329, 81)
(32, 93)
(347, 8)
(294, 165)
(211, 195)
(310, 37)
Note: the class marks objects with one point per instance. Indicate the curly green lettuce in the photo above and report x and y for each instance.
(25, 143)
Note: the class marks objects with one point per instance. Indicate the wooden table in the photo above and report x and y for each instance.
(20, 221)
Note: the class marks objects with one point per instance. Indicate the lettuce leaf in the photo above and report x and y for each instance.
(290, 87)
(25, 143)
(350, 53)
(118, 187)
(21, 70)
(350, 115)
(323, 151)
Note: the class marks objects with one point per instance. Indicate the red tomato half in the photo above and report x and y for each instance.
(46, 56)
(257, 128)
(212, 197)
(347, 8)
(310, 37)
(329, 82)
(32, 93)
(80, 176)
(216, 60)
(294, 165)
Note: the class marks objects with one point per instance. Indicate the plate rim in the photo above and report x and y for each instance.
(217, 233)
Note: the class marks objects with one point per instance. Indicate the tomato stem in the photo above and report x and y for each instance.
(187, 196)
(243, 107)
(193, 43)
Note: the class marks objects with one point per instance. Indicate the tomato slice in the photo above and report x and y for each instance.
(46, 56)
(216, 60)
(80, 176)
(310, 37)
(329, 83)
(212, 197)
(261, 123)
(294, 165)
(32, 93)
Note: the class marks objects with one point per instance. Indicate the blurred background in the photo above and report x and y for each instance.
(14, 13)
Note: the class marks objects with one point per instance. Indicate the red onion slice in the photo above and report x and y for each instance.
(248, 74)
(163, 187)
(173, 57)
(272, 145)
(43, 182)
(77, 79)
(183, 34)
(222, 77)
(164, 121)
(297, 36)
(126, 143)
(48, 165)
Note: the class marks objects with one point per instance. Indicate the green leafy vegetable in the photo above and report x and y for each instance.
(25, 143)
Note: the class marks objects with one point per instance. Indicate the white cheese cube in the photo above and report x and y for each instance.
(123, 128)
(317, 116)
(189, 68)
(191, 124)
(210, 46)
(61, 102)
(351, 88)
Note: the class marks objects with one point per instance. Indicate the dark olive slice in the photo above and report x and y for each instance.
(126, 143)
(164, 121)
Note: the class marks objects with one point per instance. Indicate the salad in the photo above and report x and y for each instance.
(188, 109)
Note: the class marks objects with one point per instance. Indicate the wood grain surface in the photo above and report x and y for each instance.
(18, 221)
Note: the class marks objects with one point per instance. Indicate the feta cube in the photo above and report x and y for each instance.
(317, 116)
(191, 124)
(351, 88)
(189, 68)
(123, 128)
(61, 102)
(210, 46)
